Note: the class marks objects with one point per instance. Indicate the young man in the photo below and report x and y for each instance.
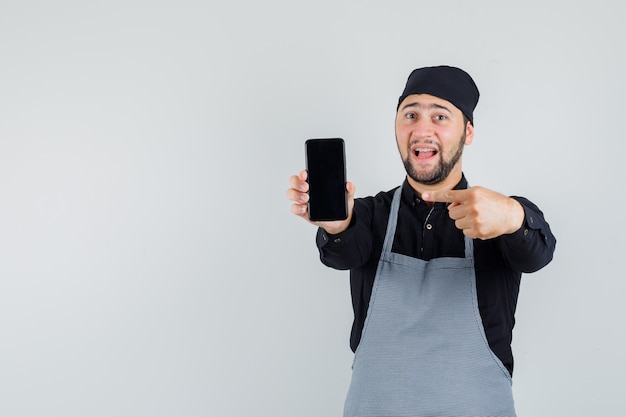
(435, 267)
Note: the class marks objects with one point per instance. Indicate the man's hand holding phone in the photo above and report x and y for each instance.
(298, 193)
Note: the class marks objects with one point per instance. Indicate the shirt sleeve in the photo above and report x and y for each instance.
(352, 247)
(532, 246)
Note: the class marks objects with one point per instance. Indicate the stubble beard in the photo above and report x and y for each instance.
(440, 172)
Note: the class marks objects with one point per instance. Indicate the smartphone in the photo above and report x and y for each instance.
(326, 167)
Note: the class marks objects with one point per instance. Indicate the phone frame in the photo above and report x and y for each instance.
(334, 207)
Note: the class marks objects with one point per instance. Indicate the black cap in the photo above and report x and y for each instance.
(449, 83)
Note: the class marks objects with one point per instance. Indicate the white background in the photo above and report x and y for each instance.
(149, 264)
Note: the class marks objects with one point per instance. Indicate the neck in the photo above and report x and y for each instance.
(447, 184)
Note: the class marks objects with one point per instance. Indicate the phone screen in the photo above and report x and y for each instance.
(325, 163)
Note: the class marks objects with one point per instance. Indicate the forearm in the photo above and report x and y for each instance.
(346, 250)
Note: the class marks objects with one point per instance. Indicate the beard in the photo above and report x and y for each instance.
(441, 170)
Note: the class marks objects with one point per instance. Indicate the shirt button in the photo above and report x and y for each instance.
(525, 232)
(429, 226)
(337, 240)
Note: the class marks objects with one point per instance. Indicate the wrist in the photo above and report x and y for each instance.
(334, 228)
(516, 218)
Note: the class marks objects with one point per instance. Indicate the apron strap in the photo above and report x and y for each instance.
(469, 248)
(469, 244)
(391, 224)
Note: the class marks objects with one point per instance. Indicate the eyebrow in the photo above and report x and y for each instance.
(426, 106)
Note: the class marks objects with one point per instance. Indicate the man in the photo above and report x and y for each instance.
(435, 267)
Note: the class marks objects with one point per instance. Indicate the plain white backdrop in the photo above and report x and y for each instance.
(149, 264)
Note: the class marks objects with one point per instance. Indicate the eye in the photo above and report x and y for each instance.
(410, 115)
(441, 117)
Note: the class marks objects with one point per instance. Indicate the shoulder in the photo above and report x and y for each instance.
(373, 207)
(380, 200)
(383, 197)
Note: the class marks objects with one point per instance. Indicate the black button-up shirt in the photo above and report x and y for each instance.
(428, 233)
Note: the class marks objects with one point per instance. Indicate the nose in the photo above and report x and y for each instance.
(422, 128)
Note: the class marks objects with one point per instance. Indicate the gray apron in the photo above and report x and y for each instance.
(423, 351)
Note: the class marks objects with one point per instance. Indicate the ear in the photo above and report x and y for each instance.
(469, 133)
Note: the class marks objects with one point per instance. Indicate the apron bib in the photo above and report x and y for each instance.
(423, 351)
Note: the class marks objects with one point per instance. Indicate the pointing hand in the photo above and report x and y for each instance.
(479, 212)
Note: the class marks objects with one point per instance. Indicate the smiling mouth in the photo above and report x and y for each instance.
(424, 153)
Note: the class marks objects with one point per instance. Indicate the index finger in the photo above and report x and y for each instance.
(445, 196)
(298, 182)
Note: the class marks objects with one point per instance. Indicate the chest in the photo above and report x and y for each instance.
(426, 233)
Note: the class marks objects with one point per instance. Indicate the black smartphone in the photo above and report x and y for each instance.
(326, 167)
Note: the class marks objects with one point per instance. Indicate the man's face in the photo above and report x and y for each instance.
(431, 133)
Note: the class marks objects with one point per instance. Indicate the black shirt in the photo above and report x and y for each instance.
(427, 233)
